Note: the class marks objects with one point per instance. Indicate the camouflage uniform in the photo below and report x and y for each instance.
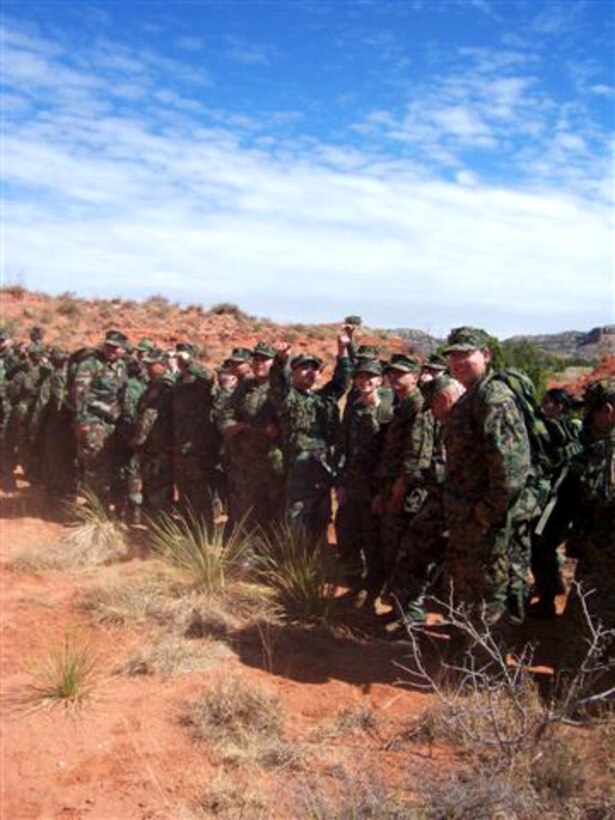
(22, 391)
(127, 489)
(406, 453)
(309, 421)
(96, 388)
(6, 474)
(486, 497)
(195, 441)
(360, 444)
(153, 440)
(51, 431)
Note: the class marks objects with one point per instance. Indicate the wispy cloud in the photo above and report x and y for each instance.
(218, 204)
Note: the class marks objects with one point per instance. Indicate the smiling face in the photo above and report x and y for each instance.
(261, 365)
(305, 376)
(367, 383)
(402, 382)
(468, 366)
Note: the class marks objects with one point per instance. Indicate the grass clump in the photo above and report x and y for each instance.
(350, 720)
(234, 712)
(300, 574)
(172, 655)
(216, 565)
(124, 604)
(354, 795)
(65, 676)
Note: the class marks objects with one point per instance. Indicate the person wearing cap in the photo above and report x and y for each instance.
(22, 392)
(95, 383)
(51, 433)
(153, 438)
(239, 363)
(433, 367)
(406, 456)
(358, 450)
(418, 569)
(195, 438)
(7, 479)
(251, 438)
(488, 467)
(308, 418)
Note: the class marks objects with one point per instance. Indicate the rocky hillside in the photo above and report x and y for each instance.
(598, 342)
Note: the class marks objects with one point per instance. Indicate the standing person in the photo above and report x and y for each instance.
(96, 383)
(251, 437)
(239, 363)
(7, 479)
(51, 428)
(195, 438)
(129, 497)
(488, 467)
(308, 417)
(405, 459)
(363, 428)
(153, 439)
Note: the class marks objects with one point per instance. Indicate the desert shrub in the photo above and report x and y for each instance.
(227, 309)
(300, 573)
(352, 796)
(356, 719)
(67, 305)
(128, 603)
(66, 675)
(234, 711)
(157, 306)
(171, 655)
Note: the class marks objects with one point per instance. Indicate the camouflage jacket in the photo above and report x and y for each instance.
(23, 388)
(408, 444)
(96, 388)
(193, 414)
(51, 400)
(154, 428)
(360, 442)
(593, 534)
(488, 457)
(308, 420)
(249, 405)
(129, 395)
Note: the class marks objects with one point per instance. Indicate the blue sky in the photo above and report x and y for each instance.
(424, 164)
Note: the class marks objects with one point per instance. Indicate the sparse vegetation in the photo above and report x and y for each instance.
(300, 573)
(171, 655)
(227, 309)
(356, 719)
(133, 603)
(65, 676)
(354, 795)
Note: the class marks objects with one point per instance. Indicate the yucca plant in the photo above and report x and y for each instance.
(216, 562)
(65, 676)
(299, 571)
(94, 537)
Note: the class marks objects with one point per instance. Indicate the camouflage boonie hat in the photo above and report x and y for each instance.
(368, 351)
(146, 344)
(466, 339)
(598, 393)
(263, 349)
(367, 364)
(403, 362)
(304, 359)
(435, 362)
(117, 339)
(154, 356)
(240, 354)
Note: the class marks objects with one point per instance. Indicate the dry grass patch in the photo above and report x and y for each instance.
(352, 795)
(350, 720)
(93, 539)
(232, 801)
(171, 655)
(66, 675)
(131, 602)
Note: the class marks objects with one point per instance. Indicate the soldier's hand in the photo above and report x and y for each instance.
(343, 341)
(282, 349)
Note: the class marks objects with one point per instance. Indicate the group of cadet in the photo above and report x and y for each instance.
(439, 475)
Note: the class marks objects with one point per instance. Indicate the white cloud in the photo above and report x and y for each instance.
(298, 229)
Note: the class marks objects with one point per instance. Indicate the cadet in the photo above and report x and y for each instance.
(405, 459)
(22, 391)
(308, 417)
(153, 439)
(488, 465)
(195, 438)
(362, 432)
(7, 479)
(239, 363)
(127, 485)
(251, 437)
(95, 400)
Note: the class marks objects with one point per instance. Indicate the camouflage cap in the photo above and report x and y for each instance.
(466, 339)
(155, 356)
(263, 349)
(364, 351)
(355, 321)
(146, 344)
(559, 396)
(304, 359)
(186, 347)
(116, 338)
(403, 362)
(435, 362)
(58, 354)
(36, 333)
(367, 364)
(599, 392)
(240, 354)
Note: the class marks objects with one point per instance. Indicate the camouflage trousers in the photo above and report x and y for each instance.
(7, 478)
(420, 557)
(157, 477)
(308, 498)
(20, 449)
(57, 457)
(195, 482)
(359, 537)
(127, 493)
(394, 527)
(96, 458)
